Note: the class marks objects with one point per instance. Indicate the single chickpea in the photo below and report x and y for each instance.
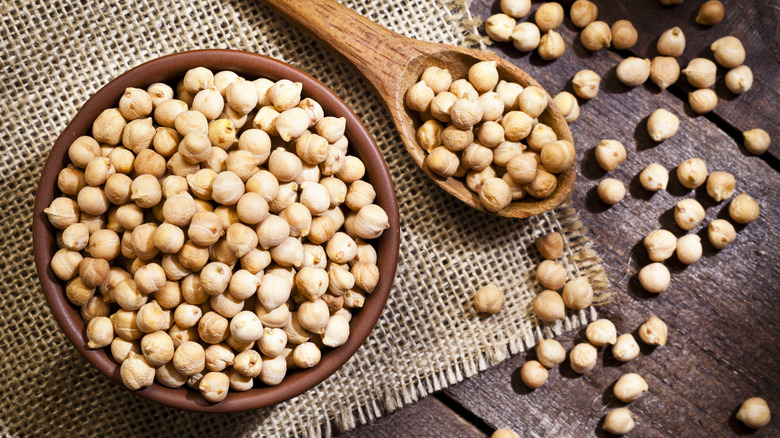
(118, 188)
(578, 294)
(499, 27)
(601, 332)
(125, 325)
(543, 184)
(246, 327)
(288, 253)
(689, 248)
(489, 299)
(483, 76)
(108, 127)
(438, 79)
(222, 133)
(476, 157)
(533, 373)
(550, 246)
(533, 101)
(218, 357)
(610, 153)
(703, 100)
(662, 125)
(743, 209)
(93, 272)
(121, 348)
(700, 72)
(440, 110)
(274, 291)
(285, 94)
(728, 51)
(633, 71)
(692, 173)
(664, 71)
(214, 385)
(157, 348)
(336, 331)
(654, 278)
(756, 141)
(624, 35)
(419, 97)
(248, 363)
(549, 16)
(83, 150)
(149, 278)
(475, 179)
(567, 104)
(629, 387)
(272, 231)
(100, 332)
(551, 275)
(739, 79)
(210, 102)
(94, 308)
(159, 93)
(505, 151)
(306, 355)
(371, 221)
(516, 8)
(136, 372)
(276, 318)
(98, 170)
(583, 12)
(754, 413)
(165, 112)
(145, 191)
(505, 433)
(213, 328)
(526, 36)
(710, 13)
(65, 263)
(654, 177)
(611, 191)
(312, 282)
(71, 180)
(653, 331)
(494, 194)
(517, 125)
(91, 200)
(586, 84)
(466, 112)
(671, 42)
(618, 421)
(596, 36)
(688, 213)
(660, 245)
(273, 341)
(558, 156)
(508, 91)
(104, 244)
(214, 278)
(551, 46)
(583, 358)
(168, 238)
(550, 353)
(179, 167)
(273, 371)
(625, 348)
(191, 121)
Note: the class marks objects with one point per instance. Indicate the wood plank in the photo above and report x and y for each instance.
(722, 311)
(428, 417)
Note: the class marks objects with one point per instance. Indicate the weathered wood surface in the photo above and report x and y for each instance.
(722, 312)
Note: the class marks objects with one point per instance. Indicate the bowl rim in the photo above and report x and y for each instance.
(166, 69)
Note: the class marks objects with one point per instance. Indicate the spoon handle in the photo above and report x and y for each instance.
(379, 54)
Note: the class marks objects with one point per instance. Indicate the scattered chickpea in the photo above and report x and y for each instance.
(596, 36)
(710, 13)
(583, 12)
(583, 358)
(601, 332)
(754, 413)
(610, 153)
(516, 8)
(700, 72)
(655, 278)
(662, 125)
(660, 244)
(568, 105)
(533, 374)
(551, 275)
(505, 433)
(578, 294)
(619, 421)
(586, 84)
(633, 71)
(549, 16)
(624, 35)
(739, 79)
(692, 172)
(703, 100)
(664, 71)
(550, 246)
(689, 248)
(611, 191)
(743, 209)
(550, 352)
(654, 331)
(630, 387)
(489, 299)
(549, 307)
(671, 43)
(499, 27)
(625, 348)
(721, 185)
(526, 36)
(728, 51)
(756, 141)
(654, 177)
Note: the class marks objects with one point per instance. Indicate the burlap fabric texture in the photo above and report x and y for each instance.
(56, 54)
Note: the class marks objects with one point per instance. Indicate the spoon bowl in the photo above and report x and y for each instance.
(393, 63)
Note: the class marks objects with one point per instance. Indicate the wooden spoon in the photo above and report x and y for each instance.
(392, 63)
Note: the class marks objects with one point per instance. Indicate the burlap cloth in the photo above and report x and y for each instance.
(53, 57)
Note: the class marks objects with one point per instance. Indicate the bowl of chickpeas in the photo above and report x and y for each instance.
(216, 231)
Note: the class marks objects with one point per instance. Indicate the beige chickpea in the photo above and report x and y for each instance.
(440, 110)
(273, 370)
(543, 184)
(757, 141)
(100, 332)
(108, 127)
(743, 209)
(213, 328)
(611, 191)
(442, 162)
(492, 106)
(419, 97)
(483, 76)
(526, 36)
(551, 275)
(178, 166)
(187, 315)
(243, 284)
(165, 112)
(533, 101)
(462, 88)
(653, 331)
(754, 413)
(551, 46)
(180, 335)
(586, 84)
(272, 231)
(662, 125)
(558, 156)
(370, 222)
(689, 248)
(248, 363)
(728, 51)
(476, 157)
(710, 13)
(94, 308)
(65, 263)
(618, 421)
(228, 306)
(191, 121)
(210, 102)
(246, 327)
(299, 217)
(624, 35)
(517, 125)
(664, 71)
(610, 153)
(633, 71)
(83, 150)
(306, 355)
(654, 177)
(189, 358)
(671, 42)
(265, 184)
(336, 331)
(601, 332)
(505, 151)
(117, 189)
(157, 348)
(366, 275)
(93, 272)
(145, 191)
(550, 246)
(276, 318)
(533, 374)
(700, 72)
(499, 27)
(221, 133)
(739, 79)
(285, 94)
(285, 166)
(288, 253)
(550, 353)
(143, 241)
(312, 148)
(495, 194)
(516, 8)
(214, 278)
(583, 358)
(272, 343)
(629, 387)
(549, 16)
(265, 120)
(121, 348)
(291, 124)
(165, 141)
(596, 36)
(660, 245)
(625, 348)
(313, 110)
(583, 12)
(692, 172)
(466, 112)
(91, 200)
(474, 179)
(198, 78)
(509, 91)
(71, 180)
(125, 325)
(274, 291)
(149, 278)
(438, 79)
(136, 372)
(159, 93)
(95, 222)
(703, 100)
(578, 293)
(98, 170)
(489, 299)
(314, 256)
(168, 238)
(218, 357)
(168, 376)
(567, 104)
(688, 213)
(654, 278)
(75, 237)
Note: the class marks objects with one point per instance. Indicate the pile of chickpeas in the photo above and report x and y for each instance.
(215, 237)
(474, 129)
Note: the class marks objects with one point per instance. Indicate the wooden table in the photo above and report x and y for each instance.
(722, 312)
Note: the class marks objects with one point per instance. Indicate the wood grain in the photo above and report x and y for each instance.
(428, 417)
(722, 311)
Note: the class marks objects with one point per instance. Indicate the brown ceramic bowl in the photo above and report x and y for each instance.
(169, 69)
